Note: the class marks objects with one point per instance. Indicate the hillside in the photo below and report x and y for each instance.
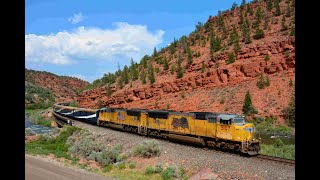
(213, 67)
(43, 88)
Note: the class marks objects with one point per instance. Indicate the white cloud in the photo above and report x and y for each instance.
(80, 76)
(76, 18)
(90, 43)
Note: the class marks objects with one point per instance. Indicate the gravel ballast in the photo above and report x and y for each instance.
(225, 165)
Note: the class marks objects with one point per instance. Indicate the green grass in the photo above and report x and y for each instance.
(57, 146)
(279, 149)
(37, 118)
(267, 128)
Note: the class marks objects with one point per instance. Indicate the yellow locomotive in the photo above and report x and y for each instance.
(226, 131)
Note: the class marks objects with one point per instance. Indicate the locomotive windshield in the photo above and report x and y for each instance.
(239, 120)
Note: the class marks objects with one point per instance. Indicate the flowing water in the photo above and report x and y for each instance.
(38, 129)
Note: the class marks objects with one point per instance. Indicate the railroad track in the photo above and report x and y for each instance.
(276, 159)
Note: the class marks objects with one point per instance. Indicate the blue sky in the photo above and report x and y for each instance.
(87, 38)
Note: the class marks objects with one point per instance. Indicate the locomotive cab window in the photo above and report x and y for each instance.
(223, 121)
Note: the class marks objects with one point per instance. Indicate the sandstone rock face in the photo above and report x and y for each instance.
(204, 91)
(64, 88)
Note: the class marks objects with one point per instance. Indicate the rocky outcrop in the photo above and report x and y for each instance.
(251, 61)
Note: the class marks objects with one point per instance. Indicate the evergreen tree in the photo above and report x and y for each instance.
(133, 71)
(241, 20)
(190, 60)
(120, 82)
(267, 58)
(259, 15)
(292, 32)
(151, 74)
(246, 31)
(267, 82)
(249, 10)
(203, 67)
(155, 53)
(234, 6)
(248, 108)
(179, 68)
(269, 5)
(166, 64)
(231, 58)
(266, 21)
(283, 23)
(143, 77)
(243, 3)
(125, 74)
(288, 13)
(109, 92)
(259, 34)
(277, 6)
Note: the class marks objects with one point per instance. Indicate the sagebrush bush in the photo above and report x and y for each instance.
(147, 149)
(132, 165)
(84, 143)
(108, 168)
(150, 170)
(173, 171)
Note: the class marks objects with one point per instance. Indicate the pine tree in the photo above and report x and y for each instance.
(234, 6)
(259, 34)
(133, 71)
(283, 23)
(259, 15)
(179, 68)
(261, 82)
(269, 5)
(143, 77)
(266, 21)
(292, 32)
(151, 74)
(248, 108)
(120, 82)
(267, 58)
(249, 10)
(231, 58)
(243, 3)
(246, 31)
(166, 64)
(241, 20)
(155, 53)
(109, 92)
(203, 67)
(125, 76)
(277, 6)
(288, 13)
(267, 82)
(190, 60)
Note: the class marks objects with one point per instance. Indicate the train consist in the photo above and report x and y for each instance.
(226, 131)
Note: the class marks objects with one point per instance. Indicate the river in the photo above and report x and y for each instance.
(38, 129)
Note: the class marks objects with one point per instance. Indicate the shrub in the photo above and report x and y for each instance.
(173, 171)
(132, 165)
(168, 105)
(158, 168)
(150, 170)
(231, 58)
(267, 58)
(147, 149)
(183, 94)
(248, 108)
(259, 34)
(222, 100)
(108, 168)
(279, 149)
(121, 165)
